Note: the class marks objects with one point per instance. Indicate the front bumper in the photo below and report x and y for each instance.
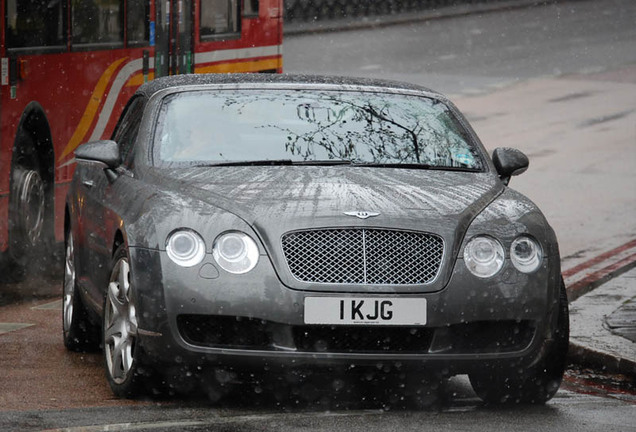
(204, 315)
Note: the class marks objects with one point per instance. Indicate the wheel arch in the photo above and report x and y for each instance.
(118, 241)
(34, 122)
(67, 221)
(32, 151)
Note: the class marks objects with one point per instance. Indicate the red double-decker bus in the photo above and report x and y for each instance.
(67, 69)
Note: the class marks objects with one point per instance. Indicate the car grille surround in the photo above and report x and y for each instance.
(363, 256)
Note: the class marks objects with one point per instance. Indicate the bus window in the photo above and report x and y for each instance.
(137, 17)
(219, 17)
(97, 22)
(70, 65)
(35, 23)
(250, 8)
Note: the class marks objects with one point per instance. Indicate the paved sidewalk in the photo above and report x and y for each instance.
(622, 321)
(603, 326)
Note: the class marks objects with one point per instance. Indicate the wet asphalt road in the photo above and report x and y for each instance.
(568, 412)
(516, 63)
(42, 387)
(478, 53)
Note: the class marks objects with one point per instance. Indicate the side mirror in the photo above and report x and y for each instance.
(509, 162)
(105, 151)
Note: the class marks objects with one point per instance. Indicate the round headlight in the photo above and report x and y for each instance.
(484, 256)
(235, 252)
(526, 254)
(185, 247)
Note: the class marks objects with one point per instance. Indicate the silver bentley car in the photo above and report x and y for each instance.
(244, 224)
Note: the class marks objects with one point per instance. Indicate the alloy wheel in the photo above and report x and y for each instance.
(69, 284)
(120, 323)
(31, 201)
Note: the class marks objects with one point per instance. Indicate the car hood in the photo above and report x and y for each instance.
(276, 200)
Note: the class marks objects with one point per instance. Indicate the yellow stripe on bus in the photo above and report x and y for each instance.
(234, 67)
(138, 79)
(91, 109)
(248, 66)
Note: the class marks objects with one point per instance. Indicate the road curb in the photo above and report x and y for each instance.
(348, 24)
(600, 361)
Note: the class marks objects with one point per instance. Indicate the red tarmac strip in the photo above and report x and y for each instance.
(595, 279)
(592, 273)
(599, 259)
(596, 388)
(602, 273)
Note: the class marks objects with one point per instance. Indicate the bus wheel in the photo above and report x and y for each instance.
(28, 229)
(30, 204)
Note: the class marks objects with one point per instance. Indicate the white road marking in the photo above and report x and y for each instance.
(9, 327)
(56, 305)
(211, 421)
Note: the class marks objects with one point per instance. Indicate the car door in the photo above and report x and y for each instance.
(103, 201)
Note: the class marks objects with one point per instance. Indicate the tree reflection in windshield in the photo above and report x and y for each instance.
(377, 128)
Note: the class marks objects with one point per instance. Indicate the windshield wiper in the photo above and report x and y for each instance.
(324, 162)
(331, 162)
(264, 162)
(393, 165)
(277, 162)
(415, 166)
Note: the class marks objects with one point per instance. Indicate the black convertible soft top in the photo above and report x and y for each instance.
(162, 83)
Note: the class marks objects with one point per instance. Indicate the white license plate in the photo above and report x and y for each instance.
(365, 310)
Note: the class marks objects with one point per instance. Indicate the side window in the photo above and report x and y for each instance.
(97, 22)
(219, 17)
(250, 8)
(126, 131)
(137, 19)
(35, 23)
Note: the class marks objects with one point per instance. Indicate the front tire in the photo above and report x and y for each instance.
(122, 352)
(537, 384)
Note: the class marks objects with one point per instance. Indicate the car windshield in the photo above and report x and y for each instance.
(289, 127)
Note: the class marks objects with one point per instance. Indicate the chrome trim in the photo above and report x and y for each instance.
(361, 214)
(363, 260)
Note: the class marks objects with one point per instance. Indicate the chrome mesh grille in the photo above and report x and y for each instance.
(363, 256)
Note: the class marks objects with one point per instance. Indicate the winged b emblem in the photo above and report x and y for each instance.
(362, 214)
